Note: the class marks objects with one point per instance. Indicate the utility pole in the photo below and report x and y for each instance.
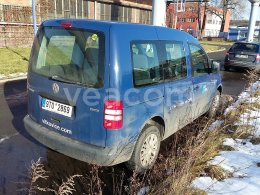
(34, 18)
(159, 12)
(252, 21)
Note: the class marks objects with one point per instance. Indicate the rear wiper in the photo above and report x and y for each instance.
(59, 78)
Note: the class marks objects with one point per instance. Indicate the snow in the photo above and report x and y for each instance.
(246, 96)
(143, 191)
(215, 124)
(243, 163)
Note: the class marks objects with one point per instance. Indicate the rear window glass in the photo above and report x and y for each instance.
(69, 55)
(246, 47)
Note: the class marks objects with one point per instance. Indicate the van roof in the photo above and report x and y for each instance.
(83, 23)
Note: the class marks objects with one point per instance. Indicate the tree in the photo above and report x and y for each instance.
(236, 7)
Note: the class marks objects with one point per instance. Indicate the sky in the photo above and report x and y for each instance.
(247, 14)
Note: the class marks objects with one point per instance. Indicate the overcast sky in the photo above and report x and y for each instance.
(247, 15)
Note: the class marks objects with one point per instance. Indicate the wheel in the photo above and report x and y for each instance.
(215, 104)
(146, 149)
(227, 68)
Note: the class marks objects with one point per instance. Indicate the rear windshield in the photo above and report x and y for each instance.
(69, 55)
(245, 47)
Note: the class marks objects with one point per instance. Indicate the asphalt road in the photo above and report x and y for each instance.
(234, 81)
(18, 149)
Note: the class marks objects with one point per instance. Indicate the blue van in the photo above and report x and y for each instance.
(108, 92)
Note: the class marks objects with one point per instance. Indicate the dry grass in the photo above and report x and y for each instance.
(38, 172)
(217, 172)
(183, 157)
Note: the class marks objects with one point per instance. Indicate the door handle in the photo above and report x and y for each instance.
(196, 87)
(189, 101)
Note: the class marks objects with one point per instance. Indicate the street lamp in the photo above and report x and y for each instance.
(252, 21)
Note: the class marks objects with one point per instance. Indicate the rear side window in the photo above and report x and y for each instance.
(69, 55)
(246, 47)
(175, 66)
(199, 60)
(146, 67)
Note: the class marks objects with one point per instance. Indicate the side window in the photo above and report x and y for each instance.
(146, 67)
(199, 60)
(175, 63)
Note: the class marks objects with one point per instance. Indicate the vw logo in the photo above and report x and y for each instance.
(55, 88)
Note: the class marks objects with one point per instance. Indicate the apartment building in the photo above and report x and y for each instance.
(188, 19)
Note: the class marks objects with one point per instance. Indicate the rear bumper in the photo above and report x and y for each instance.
(78, 150)
(242, 64)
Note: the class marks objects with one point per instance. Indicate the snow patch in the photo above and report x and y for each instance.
(242, 162)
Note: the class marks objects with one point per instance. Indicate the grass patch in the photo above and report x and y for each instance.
(211, 48)
(226, 148)
(217, 172)
(14, 60)
(255, 140)
(217, 42)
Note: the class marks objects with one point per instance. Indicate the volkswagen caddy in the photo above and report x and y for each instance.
(109, 92)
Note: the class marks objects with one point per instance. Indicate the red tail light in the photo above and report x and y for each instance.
(113, 114)
(258, 57)
(227, 54)
(66, 24)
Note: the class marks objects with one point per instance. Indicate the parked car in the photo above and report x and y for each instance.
(107, 92)
(243, 55)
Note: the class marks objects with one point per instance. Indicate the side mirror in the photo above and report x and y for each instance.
(214, 66)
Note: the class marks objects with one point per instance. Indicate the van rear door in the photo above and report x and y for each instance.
(67, 83)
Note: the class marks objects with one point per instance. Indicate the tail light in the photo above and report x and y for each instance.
(227, 54)
(258, 57)
(66, 24)
(113, 114)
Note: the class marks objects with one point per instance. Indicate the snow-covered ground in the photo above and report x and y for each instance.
(244, 162)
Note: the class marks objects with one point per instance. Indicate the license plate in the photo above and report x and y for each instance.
(242, 56)
(57, 107)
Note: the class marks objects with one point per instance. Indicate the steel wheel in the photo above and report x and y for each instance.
(149, 150)
(146, 149)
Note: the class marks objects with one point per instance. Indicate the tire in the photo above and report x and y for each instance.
(143, 158)
(215, 105)
(227, 68)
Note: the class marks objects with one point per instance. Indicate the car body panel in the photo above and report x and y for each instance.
(173, 102)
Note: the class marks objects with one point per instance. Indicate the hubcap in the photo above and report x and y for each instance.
(149, 150)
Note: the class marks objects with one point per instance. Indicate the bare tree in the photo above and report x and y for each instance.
(236, 7)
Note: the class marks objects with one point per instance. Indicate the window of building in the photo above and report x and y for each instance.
(85, 9)
(191, 19)
(79, 8)
(59, 6)
(183, 19)
(199, 60)
(175, 66)
(73, 8)
(105, 11)
(146, 67)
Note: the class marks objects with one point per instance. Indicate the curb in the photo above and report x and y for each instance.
(223, 49)
(13, 79)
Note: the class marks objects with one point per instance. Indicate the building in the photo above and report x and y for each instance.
(16, 15)
(136, 11)
(188, 19)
